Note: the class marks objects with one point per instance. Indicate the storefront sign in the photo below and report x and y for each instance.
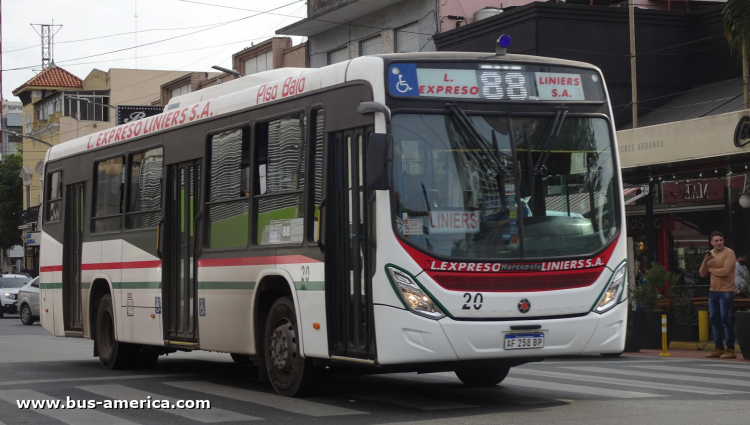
(742, 132)
(715, 136)
(701, 190)
(129, 113)
(33, 238)
(639, 223)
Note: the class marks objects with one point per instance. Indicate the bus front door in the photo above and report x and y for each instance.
(73, 237)
(179, 272)
(347, 248)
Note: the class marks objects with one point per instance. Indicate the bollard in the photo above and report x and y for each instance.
(664, 352)
(703, 326)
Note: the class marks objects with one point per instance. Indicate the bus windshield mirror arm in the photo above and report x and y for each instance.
(496, 165)
(562, 112)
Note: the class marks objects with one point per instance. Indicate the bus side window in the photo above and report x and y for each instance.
(227, 205)
(54, 197)
(144, 203)
(318, 121)
(108, 195)
(279, 193)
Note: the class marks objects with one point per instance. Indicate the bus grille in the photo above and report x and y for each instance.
(516, 282)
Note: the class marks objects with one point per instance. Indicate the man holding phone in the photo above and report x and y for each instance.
(720, 263)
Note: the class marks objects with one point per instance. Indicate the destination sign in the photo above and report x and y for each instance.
(495, 82)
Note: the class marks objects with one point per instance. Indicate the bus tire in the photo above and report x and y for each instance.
(482, 377)
(290, 374)
(113, 354)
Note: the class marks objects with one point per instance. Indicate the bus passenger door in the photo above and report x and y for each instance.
(347, 278)
(179, 272)
(73, 237)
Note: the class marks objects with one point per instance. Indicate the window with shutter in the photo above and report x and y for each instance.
(338, 55)
(371, 46)
(407, 38)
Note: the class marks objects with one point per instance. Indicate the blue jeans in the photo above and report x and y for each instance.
(721, 310)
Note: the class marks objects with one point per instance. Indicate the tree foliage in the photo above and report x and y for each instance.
(11, 201)
(736, 15)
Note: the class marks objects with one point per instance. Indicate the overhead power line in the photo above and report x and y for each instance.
(163, 40)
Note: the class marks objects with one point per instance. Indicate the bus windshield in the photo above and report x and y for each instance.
(496, 187)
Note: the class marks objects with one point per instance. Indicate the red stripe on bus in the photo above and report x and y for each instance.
(122, 266)
(108, 266)
(256, 261)
(45, 269)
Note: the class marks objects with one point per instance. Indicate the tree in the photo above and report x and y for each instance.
(736, 16)
(11, 198)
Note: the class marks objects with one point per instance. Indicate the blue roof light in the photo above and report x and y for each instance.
(504, 41)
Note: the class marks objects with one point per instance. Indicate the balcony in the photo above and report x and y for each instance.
(30, 215)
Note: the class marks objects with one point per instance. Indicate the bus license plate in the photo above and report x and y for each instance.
(521, 341)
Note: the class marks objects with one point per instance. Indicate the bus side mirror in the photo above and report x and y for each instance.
(376, 167)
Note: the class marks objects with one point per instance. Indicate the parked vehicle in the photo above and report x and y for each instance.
(28, 302)
(9, 286)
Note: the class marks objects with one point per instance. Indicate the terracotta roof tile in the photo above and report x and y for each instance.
(52, 77)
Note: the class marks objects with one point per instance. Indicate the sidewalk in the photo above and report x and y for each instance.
(689, 350)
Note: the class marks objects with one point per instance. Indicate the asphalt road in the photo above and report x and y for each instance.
(625, 390)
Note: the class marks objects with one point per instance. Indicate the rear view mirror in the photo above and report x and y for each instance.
(377, 162)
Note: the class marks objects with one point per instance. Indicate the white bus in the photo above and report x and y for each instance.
(406, 212)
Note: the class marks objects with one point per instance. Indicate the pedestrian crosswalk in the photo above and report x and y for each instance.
(353, 399)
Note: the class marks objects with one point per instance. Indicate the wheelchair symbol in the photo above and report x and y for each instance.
(401, 83)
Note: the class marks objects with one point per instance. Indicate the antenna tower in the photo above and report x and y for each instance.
(47, 32)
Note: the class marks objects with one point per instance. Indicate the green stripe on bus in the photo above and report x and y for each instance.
(57, 285)
(137, 285)
(226, 285)
(310, 286)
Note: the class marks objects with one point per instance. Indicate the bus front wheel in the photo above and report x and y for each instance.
(290, 374)
(112, 353)
(482, 377)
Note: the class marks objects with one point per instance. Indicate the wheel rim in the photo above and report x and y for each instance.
(25, 314)
(283, 347)
(107, 336)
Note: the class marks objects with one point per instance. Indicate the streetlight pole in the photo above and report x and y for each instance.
(83, 99)
(78, 110)
(27, 137)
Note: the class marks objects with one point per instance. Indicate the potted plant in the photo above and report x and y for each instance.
(742, 318)
(681, 303)
(649, 295)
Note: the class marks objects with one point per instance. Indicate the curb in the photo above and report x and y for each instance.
(698, 346)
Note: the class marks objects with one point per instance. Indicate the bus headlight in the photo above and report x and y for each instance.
(415, 299)
(614, 291)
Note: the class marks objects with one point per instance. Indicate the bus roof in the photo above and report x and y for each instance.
(269, 86)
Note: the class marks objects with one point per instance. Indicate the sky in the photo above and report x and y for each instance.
(92, 27)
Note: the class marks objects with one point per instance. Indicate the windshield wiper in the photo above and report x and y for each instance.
(562, 112)
(474, 135)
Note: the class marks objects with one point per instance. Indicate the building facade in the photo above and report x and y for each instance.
(59, 106)
(338, 30)
(274, 53)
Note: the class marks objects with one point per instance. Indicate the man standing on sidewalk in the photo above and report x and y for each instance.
(720, 263)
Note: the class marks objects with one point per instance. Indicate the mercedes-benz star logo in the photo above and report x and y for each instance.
(524, 306)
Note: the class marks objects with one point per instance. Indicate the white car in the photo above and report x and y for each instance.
(28, 302)
(9, 286)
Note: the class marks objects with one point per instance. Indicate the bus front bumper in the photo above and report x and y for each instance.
(404, 337)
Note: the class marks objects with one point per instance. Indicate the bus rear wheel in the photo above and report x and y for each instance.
(482, 377)
(112, 353)
(290, 374)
